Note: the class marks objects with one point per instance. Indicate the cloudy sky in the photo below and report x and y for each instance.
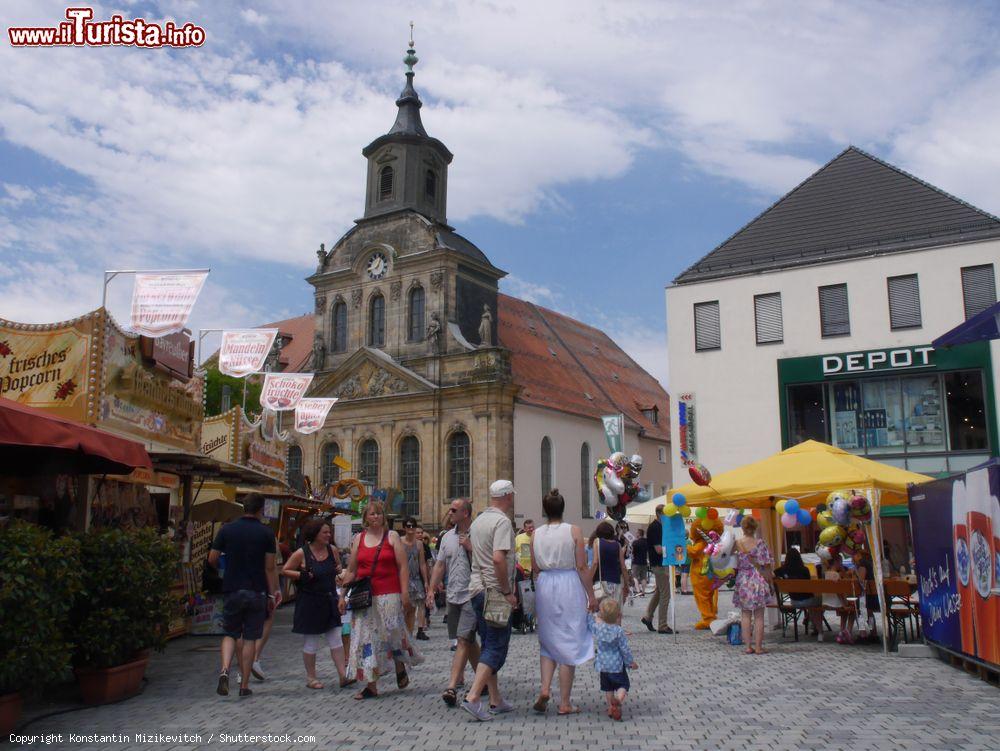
(600, 147)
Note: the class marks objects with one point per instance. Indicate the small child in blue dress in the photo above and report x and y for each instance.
(613, 655)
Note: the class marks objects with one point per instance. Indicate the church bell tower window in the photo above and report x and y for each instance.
(376, 322)
(385, 177)
(430, 185)
(416, 317)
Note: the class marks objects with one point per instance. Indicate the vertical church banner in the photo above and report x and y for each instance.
(161, 303)
(284, 390)
(244, 351)
(613, 429)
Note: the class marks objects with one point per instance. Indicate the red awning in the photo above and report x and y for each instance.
(34, 442)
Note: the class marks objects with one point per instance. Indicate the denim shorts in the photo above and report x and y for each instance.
(494, 641)
(243, 614)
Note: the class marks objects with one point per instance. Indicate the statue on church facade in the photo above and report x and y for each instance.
(433, 334)
(486, 328)
(321, 257)
(319, 352)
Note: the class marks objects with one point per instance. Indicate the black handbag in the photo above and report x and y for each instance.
(359, 594)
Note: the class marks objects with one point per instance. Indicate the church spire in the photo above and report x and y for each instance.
(408, 117)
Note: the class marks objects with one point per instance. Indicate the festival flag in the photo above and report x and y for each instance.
(613, 429)
(161, 303)
(310, 414)
(245, 350)
(284, 390)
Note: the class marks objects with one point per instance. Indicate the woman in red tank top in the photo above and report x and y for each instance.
(379, 639)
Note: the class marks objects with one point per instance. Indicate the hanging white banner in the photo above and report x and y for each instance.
(284, 390)
(310, 414)
(244, 351)
(161, 303)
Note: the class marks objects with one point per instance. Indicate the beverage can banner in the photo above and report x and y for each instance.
(613, 429)
(310, 414)
(283, 391)
(244, 351)
(161, 303)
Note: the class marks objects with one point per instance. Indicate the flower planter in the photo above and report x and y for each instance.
(106, 685)
(10, 713)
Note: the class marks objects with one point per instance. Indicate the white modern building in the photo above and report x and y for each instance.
(816, 321)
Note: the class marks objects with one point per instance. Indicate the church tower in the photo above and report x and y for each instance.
(407, 169)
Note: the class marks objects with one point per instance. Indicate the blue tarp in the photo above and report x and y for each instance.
(979, 328)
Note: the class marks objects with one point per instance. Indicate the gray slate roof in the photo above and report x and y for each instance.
(855, 206)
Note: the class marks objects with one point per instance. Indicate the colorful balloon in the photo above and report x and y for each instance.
(700, 474)
(701, 512)
(791, 506)
(780, 506)
(788, 521)
(684, 511)
(833, 535)
(669, 509)
(679, 500)
(805, 518)
(708, 524)
(713, 513)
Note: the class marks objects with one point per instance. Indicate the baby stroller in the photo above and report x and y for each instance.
(523, 616)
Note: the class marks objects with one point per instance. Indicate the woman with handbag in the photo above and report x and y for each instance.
(753, 583)
(377, 579)
(563, 596)
(314, 568)
(608, 569)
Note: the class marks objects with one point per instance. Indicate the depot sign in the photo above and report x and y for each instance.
(903, 358)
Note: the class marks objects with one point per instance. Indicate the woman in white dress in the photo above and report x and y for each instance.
(563, 595)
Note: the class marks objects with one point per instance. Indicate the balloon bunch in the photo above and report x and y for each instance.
(617, 481)
(677, 505)
(841, 522)
(721, 553)
(792, 514)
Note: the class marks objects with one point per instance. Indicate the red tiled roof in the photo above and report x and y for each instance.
(566, 365)
(295, 355)
(559, 363)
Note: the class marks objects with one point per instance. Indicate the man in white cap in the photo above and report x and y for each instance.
(492, 539)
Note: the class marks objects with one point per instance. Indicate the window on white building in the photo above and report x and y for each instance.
(767, 315)
(979, 289)
(707, 333)
(663, 454)
(834, 315)
(330, 471)
(904, 302)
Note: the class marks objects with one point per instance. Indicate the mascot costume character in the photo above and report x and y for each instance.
(703, 534)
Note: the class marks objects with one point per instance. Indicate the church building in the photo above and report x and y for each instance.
(444, 383)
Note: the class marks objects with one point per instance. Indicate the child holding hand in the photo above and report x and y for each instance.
(613, 655)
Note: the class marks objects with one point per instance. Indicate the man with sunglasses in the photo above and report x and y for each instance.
(454, 551)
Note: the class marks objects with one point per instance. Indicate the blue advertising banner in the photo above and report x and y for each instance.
(674, 540)
(956, 541)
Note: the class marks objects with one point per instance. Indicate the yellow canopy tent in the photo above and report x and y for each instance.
(807, 472)
(643, 513)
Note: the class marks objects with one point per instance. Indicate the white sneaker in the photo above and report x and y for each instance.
(257, 671)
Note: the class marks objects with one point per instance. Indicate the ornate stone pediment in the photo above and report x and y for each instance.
(370, 373)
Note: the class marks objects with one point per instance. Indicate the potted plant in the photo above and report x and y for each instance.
(123, 610)
(39, 576)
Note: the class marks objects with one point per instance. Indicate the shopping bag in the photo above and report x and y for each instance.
(735, 634)
(527, 597)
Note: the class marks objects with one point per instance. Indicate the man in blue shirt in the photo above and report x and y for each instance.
(661, 574)
(249, 585)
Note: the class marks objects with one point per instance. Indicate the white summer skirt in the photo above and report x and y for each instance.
(379, 638)
(561, 608)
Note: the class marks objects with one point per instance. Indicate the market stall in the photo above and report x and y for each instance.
(806, 473)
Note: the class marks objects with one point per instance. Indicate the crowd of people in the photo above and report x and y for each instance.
(481, 574)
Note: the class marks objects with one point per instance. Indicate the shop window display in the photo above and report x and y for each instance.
(806, 413)
(924, 414)
(882, 416)
(966, 410)
(845, 400)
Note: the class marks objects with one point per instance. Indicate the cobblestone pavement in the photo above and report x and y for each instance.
(690, 692)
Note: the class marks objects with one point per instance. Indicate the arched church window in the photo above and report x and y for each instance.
(376, 322)
(385, 177)
(331, 472)
(368, 462)
(416, 316)
(339, 327)
(409, 474)
(430, 185)
(546, 462)
(459, 466)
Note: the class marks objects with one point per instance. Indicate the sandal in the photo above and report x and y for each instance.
(402, 680)
(450, 697)
(571, 710)
(761, 651)
(748, 651)
(348, 682)
(541, 703)
(366, 693)
(314, 684)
